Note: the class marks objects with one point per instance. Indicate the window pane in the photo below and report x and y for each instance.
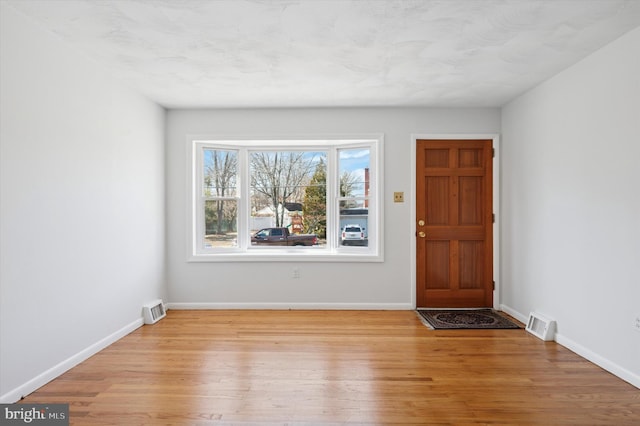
(288, 189)
(220, 173)
(354, 194)
(354, 223)
(221, 223)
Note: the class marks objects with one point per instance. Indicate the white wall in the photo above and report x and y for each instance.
(82, 206)
(571, 205)
(333, 285)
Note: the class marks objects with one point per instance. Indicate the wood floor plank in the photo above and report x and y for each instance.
(335, 367)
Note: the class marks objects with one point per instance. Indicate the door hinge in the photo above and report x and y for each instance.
(493, 217)
(493, 152)
(494, 285)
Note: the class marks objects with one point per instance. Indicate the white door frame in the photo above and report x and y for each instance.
(496, 204)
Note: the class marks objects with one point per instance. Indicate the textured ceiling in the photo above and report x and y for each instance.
(306, 53)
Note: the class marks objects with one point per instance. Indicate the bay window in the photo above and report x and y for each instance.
(295, 189)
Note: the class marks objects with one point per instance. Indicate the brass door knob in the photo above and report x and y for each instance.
(421, 234)
(421, 223)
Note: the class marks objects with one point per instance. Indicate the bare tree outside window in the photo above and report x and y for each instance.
(348, 182)
(221, 207)
(281, 178)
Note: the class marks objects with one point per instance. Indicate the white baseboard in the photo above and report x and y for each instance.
(588, 354)
(295, 306)
(611, 367)
(517, 315)
(57, 370)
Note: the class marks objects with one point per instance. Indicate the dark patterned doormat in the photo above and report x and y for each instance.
(464, 319)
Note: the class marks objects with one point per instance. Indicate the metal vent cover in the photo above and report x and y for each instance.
(541, 326)
(153, 312)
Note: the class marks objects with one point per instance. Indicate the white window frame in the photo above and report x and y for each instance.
(334, 252)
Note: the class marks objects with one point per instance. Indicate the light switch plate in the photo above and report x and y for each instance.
(398, 197)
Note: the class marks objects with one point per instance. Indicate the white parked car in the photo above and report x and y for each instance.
(353, 235)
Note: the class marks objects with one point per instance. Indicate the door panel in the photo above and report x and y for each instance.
(437, 264)
(471, 264)
(436, 158)
(437, 191)
(471, 200)
(469, 158)
(454, 228)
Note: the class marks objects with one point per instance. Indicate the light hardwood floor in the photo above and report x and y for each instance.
(335, 367)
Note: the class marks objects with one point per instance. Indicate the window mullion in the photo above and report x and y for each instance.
(244, 204)
(332, 214)
(199, 218)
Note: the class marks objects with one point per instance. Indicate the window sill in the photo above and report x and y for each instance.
(281, 255)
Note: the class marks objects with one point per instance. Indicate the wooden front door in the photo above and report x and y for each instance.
(454, 229)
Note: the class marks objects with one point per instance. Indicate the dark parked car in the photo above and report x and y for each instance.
(282, 237)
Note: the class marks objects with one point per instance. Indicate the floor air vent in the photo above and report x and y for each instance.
(153, 312)
(541, 326)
